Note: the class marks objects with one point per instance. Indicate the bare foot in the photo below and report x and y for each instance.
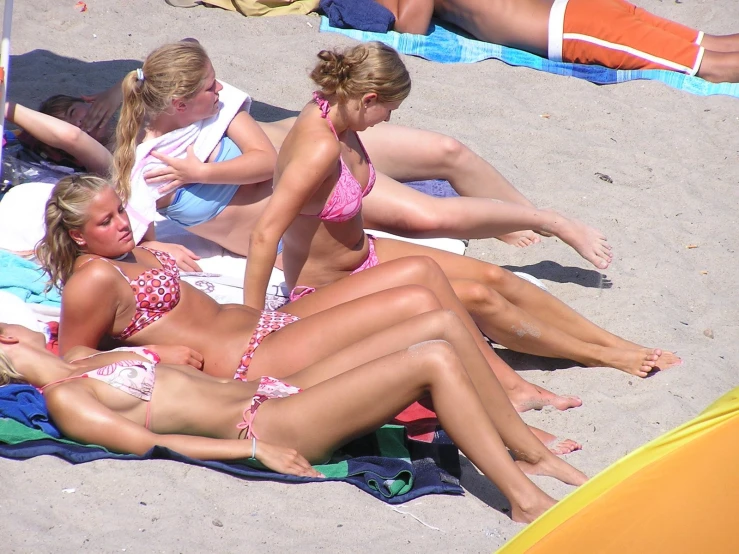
(551, 466)
(640, 362)
(532, 509)
(667, 360)
(590, 243)
(520, 239)
(531, 397)
(556, 445)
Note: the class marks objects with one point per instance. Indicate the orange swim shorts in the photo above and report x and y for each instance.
(617, 34)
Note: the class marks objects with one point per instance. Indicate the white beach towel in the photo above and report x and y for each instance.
(22, 212)
(203, 136)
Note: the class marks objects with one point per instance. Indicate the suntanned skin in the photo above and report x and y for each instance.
(97, 302)
(524, 24)
(344, 397)
(318, 253)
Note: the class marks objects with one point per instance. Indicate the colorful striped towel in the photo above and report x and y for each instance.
(445, 44)
(382, 466)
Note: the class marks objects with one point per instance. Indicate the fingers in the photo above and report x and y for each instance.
(189, 252)
(162, 157)
(187, 264)
(196, 359)
(169, 187)
(158, 175)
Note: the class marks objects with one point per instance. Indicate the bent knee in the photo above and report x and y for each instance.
(415, 299)
(453, 152)
(418, 270)
(475, 296)
(438, 357)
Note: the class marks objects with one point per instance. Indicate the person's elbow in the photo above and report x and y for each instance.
(69, 137)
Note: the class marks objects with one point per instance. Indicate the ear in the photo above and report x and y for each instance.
(76, 236)
(5, 339)
(179, 105)
(369, 99)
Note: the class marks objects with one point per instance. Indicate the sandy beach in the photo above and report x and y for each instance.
(669, 212)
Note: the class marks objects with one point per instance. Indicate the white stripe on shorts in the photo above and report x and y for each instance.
(633, 51)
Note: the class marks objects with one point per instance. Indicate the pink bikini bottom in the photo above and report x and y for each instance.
(371, 261)
(268, 323)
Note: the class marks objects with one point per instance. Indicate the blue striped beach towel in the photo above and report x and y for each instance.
(444, 44)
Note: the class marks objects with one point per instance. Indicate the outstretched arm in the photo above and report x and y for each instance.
(411, 16)
(81, 417)
(60, 134)
(308, 168)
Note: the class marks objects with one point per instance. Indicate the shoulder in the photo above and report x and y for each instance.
(313, 144)
(91, 278)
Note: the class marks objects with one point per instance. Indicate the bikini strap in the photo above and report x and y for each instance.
(162, 257)
(111, 263)
(64, 380)
(325, 108)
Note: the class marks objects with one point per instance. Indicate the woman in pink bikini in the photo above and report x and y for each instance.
(128, 401)
(322, 174)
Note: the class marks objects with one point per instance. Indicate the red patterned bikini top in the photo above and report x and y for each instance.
(157, 292)
(345, 201)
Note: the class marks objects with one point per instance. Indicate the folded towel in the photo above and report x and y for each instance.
(22, 211)
(445, 44)
(24, 404)
(203, 136)
(434, 187)
(26, 280)
(366, 15)
(394, 480)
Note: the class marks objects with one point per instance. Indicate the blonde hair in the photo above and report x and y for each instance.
(66, 209)
(176, 70)
(8, 374)
(368, 67)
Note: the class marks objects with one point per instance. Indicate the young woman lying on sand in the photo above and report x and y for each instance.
(322, 174)
(612, 33)
(127, 401)
(114, 290)
(178, 76)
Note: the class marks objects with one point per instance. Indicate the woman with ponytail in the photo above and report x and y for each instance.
(176, 91)
(323, 172)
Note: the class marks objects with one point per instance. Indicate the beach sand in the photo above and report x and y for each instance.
(670, 214)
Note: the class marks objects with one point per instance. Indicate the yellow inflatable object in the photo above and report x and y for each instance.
(677, 494)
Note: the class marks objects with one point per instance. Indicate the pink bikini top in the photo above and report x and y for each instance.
(345, 200)
(157, 292)
(134, 377)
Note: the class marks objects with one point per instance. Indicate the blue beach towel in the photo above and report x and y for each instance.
(444, 44)
(26, 280)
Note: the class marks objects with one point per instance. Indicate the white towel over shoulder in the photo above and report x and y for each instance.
(203, 135)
